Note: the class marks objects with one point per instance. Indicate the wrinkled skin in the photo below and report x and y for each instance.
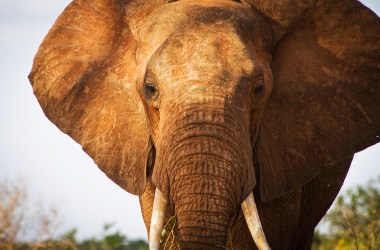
(210, 100)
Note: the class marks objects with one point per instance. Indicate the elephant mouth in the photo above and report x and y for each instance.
(248, 207)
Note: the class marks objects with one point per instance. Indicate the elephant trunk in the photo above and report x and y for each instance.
(207, 174)
(206, 191)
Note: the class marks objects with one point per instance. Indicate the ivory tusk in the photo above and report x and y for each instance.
(157, 221)
(253, 221)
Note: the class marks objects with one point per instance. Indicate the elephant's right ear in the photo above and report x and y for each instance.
(83, 77)
(325, 103)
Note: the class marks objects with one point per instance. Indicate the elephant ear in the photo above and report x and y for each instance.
(325, 104)
(83, 78)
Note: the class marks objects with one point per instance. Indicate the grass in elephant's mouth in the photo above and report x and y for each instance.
(172, 219)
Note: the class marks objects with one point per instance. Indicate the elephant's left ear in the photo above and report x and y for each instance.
(325, 104)
(84, 79)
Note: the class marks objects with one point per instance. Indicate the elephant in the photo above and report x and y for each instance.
(235, 122)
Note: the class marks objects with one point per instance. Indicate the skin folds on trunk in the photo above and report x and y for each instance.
(203, 177)
(201, 190)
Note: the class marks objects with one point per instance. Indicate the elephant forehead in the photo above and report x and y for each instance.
(200, 38)
(209, 52)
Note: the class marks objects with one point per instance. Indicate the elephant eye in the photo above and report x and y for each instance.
(151, 91)
(259, 87)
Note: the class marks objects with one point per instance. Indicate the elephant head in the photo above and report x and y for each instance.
(212, 99)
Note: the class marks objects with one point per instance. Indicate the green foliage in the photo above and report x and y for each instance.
(18, 216)
(354, 221)
(110, 240)
(70, 236)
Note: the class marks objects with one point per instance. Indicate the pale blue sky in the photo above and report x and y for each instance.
(54, 166)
